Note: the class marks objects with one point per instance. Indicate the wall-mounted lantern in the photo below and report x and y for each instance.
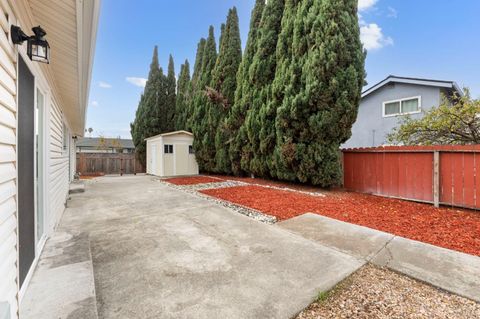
(38, 48)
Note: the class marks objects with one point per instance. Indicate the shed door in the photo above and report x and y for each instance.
(181, 159)
(26, 170)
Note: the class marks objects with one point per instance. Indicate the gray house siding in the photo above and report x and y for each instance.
(371, 127)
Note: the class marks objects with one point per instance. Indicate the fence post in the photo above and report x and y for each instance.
(436, 178)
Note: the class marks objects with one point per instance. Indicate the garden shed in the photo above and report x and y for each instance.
(171, 154)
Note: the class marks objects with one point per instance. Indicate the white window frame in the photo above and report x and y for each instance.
(168, 148)
(419, 98)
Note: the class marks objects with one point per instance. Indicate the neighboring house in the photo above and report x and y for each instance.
(42, 109)
(104, 145)
(383, 105)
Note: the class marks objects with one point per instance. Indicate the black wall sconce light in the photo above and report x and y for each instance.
(38, 48)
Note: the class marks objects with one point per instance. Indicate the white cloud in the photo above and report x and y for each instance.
(104, 85)
(366, 4)
(392, 13)
(373, 38)
(371, 34)
(136, 81)
(94, 103)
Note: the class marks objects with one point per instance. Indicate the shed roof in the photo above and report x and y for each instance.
(418, 81)
(169, 134)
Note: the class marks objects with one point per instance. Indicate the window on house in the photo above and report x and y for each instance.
(401, 106)
(392, 108)
(190, 149)
(168, 149)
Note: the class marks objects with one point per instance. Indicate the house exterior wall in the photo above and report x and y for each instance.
(57, 162)
(371, 127)
(58, 166)
(8, 159)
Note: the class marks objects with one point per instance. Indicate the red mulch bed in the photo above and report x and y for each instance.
(192, 180)
(445, 227)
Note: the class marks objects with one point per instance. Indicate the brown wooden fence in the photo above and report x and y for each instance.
(447, 175)
(108, 163)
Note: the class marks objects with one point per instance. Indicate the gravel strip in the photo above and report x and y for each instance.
(193, 189)
(373, 292)
(223, 184)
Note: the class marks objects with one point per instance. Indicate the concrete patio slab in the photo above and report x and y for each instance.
(63, 284)
(159, 252)
(450, 270)
(355, 240)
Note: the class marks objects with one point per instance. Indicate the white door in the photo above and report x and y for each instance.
(153, 159)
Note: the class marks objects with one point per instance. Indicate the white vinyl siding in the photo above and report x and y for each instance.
(73, 158)
(8, 173)
(58, 173)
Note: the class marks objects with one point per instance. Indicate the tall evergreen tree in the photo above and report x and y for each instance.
(181, 107)
(146, 121)
(281, 83)
(200, 101)
(236, 131)
(171, 95)
(260, 122)
(193, 86)
(198, 61)
(326, 75)
(224, 84)
(159, 114)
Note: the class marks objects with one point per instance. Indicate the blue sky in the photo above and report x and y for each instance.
(435, 39)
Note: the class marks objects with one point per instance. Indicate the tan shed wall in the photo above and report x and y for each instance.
(168, 164)
(178, 163)
(181, 159)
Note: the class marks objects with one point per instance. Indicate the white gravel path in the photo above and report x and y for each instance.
(375, 292)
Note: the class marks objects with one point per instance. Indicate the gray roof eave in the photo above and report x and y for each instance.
(417, 81)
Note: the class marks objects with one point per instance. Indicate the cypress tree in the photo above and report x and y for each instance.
(199, 121)
(181, 107)
(236, 131)
(326, 77)
(260, 121)
(221, 40)
(281, 83)
(224, 84)
(160, 113)
(198, 61)
(171, 96)
(193, 87)
(147, 120)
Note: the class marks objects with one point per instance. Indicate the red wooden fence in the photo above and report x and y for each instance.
(447, 175)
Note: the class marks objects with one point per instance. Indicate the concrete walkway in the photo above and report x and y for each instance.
(447, 269)
(158, 252)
